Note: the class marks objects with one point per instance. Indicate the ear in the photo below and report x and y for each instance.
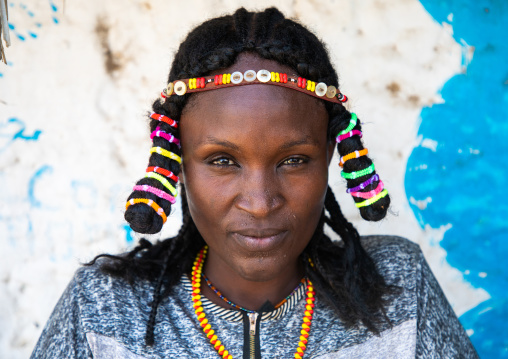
(330, 149)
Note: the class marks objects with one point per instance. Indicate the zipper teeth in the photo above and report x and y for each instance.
(252, 332)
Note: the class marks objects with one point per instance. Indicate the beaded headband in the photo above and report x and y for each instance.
(251, 77)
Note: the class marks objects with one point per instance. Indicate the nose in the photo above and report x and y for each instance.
(259, 194)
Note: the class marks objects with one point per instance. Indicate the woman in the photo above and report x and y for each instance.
(251, 273)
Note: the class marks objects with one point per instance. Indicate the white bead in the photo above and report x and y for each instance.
(264, 75)
(321, 89)
(180, 88)
(169, 89)
(249, 75)
(331, 92)
(236, 77)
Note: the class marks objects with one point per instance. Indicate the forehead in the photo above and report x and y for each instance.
(269, 106)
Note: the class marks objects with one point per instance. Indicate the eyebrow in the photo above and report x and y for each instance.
(215, 141)
(299, 142)
(285, 146)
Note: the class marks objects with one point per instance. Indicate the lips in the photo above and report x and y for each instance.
(259, 240)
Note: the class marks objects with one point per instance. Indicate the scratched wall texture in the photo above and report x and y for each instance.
(73, 138)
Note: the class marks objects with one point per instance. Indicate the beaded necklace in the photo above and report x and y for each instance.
(197, 270)
(221, 296)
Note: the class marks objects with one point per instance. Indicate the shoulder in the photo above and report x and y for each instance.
(384, 245)
(396, 258)
(401, 263)
(105, 300)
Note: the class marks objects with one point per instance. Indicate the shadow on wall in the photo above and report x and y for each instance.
(464, 172)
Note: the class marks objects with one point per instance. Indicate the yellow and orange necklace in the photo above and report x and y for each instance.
(197, 269)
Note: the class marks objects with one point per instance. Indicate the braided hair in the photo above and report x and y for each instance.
(343, 273)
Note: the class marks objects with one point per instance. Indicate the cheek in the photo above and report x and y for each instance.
(206, 196)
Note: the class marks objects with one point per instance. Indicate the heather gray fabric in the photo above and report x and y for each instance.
(103, 317)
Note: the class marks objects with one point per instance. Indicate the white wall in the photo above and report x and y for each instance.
(86, 84)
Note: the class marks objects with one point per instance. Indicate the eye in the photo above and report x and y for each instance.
(294, 161)
(222, 162)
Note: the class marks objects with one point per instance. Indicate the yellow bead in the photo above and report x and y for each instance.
(216, 344)
(313, 86)
(277, 77)
(310, 288)
(272, 76)
(230, 357)
(303, 339)
(196, 291)
(225, 354)
(196, 304)
(310, 295)
(201, 315)
(302, 345)
(213, 338)
(198, 310)
(196, 297)
(298, 356)
(203, 322)
(306, 320)
(305, 326)
(209, 335)
(299, 350)
(303, 332)
(307, 314)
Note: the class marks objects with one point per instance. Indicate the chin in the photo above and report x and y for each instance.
(261, 269)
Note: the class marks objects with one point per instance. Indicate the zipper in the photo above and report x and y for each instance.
(252, 334)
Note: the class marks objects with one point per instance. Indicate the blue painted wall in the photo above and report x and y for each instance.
(466, 175)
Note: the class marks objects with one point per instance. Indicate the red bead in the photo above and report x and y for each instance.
(202, 83)
(216, 82)
(304, 83)
(285, 78)
(220, 79)
(299, 82)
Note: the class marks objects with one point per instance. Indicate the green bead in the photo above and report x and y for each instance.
(357, 174)
(352, 124)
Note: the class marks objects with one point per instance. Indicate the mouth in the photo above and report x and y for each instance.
(259, 240)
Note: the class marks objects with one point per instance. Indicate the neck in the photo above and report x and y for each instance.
(247, 293)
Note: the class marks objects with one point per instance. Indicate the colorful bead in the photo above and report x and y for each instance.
(167, 136)
(197, 273)
(352, 155)
(318, 90)
(162, 180)
(352, 123)
(159, 193)
(358, 174)
(149, 202)
(372, 200)
(164, 119)
(163, 172)
(370, 194)
(219, 294)
(364, 184)
(166, 153)
(345, 136)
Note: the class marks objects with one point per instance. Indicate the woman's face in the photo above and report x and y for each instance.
(255, 169)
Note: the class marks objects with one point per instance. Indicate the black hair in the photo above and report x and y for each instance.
(343, 273)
